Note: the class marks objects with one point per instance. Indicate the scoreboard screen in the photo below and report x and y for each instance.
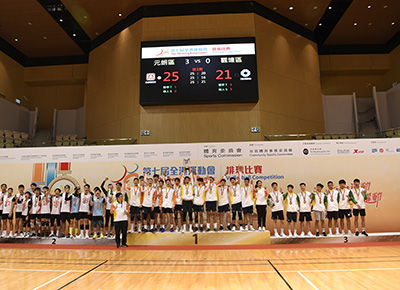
(198, 71)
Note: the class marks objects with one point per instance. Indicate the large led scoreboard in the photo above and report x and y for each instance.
(198, 71)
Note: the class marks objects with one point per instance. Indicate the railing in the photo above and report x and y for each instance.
(79, 142)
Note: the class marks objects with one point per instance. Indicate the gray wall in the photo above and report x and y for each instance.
(393, 102)
(339, 114)
(69, 122)
(14, 117)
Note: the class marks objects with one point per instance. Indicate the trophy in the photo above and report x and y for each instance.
(186, 163)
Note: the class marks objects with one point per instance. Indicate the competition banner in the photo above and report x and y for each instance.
(374, 161)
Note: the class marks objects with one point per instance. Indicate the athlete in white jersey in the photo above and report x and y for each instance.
(178, 204)
(292, 207)
(135, 203)
(236, 198)
(34, 213)
(65, 212)
(149, 197)
(224, 197)
(167, 205)
(261, 196)
(45, 212)
(109, 196)
(19, 197)
(187, 188)
(198, 204)
(211, 202)
(276, 198)
(345, 197)
(8, 208)
(332, 207)
(55, 214)
(360, 195)
(84, 209)
(319, 208)
(305, 209)
(248, 198)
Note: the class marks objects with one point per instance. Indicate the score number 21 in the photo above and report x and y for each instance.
(221, 74)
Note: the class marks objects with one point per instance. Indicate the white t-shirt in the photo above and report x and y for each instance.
(291, 201)
(358, 194)
(319, 204)
(305, 201)
(65, 204)
(119, 211)
(7, 203)
(247, 196)
(212, 192)
(19, 197)
(178, 194)
(149, 192)
(167, 197)
(236, 195)
(134, 196)
(223, 195)
(35, 204)
(261, 198)
(199, 195)
(344, 198)
(56, 202)
(45, 209)
(332, 197)
(277, 199)
(84, 202)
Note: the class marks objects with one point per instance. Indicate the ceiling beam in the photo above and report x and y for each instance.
(68, 23)
(333, 13)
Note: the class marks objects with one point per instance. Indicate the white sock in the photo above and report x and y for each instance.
(87, 232)
(363, 229)
(317, 230)
(52, 232)
(282, 232)
(208, 225)
(337, 230)
(215, 225)
(275, 231)
(197, 225)
(295, 232)
(290, 231)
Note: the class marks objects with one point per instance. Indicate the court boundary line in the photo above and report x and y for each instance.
(308, 281)
(280, 275)
(48, 282)
(87, 272)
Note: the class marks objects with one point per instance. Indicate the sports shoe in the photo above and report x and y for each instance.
(162, 230)
(309, 234)
(349, 233)
(241, 228)
(195, 229)
(317, 234)
(22, 235)
(118, 246)
(144, 230)
(80, 236)
(357, 233)
(87, 237)
(182, 230)
(233, 228)
(215, 230)
(62, 235)
(364, 233)
(208, 229)
(246, 228)
(283, 236)
(324, 234)
(302, 234)
(125, 246)
(95, 236)
(171, 230)
(290, 235)
(277, 235)
(201, 229)
(228, 227)
(221, 228)
(252, 228)
(101, 236)
(51, 235)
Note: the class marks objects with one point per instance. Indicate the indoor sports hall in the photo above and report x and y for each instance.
(199, 144)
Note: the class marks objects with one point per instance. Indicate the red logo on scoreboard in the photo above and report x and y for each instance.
(150, 77)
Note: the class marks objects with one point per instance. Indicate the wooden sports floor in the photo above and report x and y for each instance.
(375, 266)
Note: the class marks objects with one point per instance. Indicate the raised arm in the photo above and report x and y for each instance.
(103, 188)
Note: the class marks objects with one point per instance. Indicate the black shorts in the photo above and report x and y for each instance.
(134, 210)
(33, 216)
(291, 216)
(157, 209)
(74, 215)
(55, 217)
(333, 215)
(237, 206)
(187, 205)
(166, 210)
(178, 207)
(306, 216)
(90, 217)
(360, 212)
(5, 216)
(248, 209)
(83, 215)
(44, 216)
(25, 217)
(224, 208)
(18, 215)
(147, 210)
(344, 213)
(277, 215)
(211, 205)
(65, 216)
(198, 208)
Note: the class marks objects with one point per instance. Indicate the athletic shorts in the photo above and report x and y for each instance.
(319, 215)
(98, 220)
(166, 210)
(306, 216)
(5, 216)
(237, 206)
(18, 215)
(291, 216)
(198, 208)
(74, 215)
(147, 210)
(277, 215)
(33, 216)
(45, 216)
(187, 205)
(55, 217)
(344, 213)
(211, 205)
(25, 217)
(333, 215)
(360, 212)
(83, 215)
(248, 209)
(134, 210)
(90, 216)
(178, 207)
(157, 209)
(224, 208)
(65, 216)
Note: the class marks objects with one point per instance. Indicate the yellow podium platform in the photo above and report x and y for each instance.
(210, 238)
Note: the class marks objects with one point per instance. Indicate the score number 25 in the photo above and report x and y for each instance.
(171, 76)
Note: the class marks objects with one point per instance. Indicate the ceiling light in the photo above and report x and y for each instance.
(96, 33)
(274, 8)
(120, 14)
(291, 8)
(44, 37)
(16, 40)
(73, 34)
(369, 6)
(355, 23)
(393, 23)
(84, 16)
(315, 7)
(370, 23)
(385, 6)
(61, 20)
(306, 24)
(320, 24)
(330, 7)
(29, 23)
